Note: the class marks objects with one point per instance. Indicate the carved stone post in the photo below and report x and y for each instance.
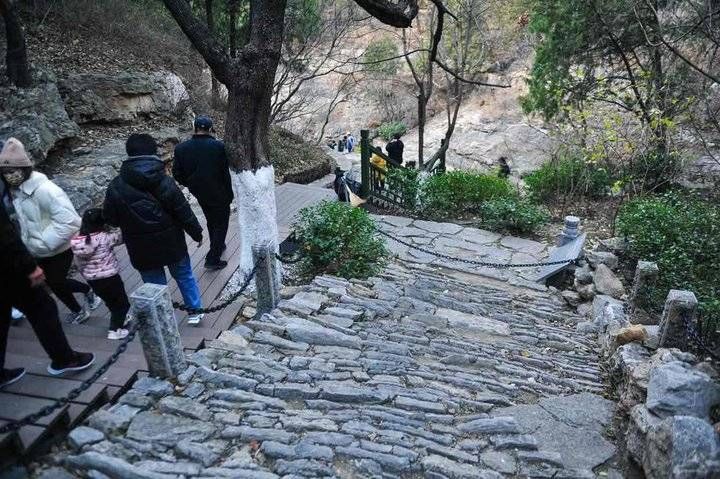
(680, 309)
(646, 275)
(152, 308)
(267, 278)
(570, 231)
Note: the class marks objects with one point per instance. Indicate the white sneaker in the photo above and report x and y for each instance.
(128, 319)
(118, 334)
(79, 317)
(195, 319)
(17, 315)
(93, 301)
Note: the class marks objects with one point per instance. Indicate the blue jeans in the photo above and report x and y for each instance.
(183, 274)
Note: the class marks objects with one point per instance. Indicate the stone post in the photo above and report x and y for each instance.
(680, 307)
(152, 308)
(267, 278)
(646, 274)
(570, 231)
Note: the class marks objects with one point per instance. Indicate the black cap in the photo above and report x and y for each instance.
(203, 123)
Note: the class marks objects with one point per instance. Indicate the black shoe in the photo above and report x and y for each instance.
(215, 266)
(9, 376)
(79, 362)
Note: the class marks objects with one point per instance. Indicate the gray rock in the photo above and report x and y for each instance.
(177, 468)
(571, 297)
(259, 434)
(166, 429)
(583, 276)
(122, 98)
(675, 388)
(197, 452)
(444, 228)
(606, 282)
(499, 461)
(596, 258)
(492, 425)
(454, 470)
(303, 468)
(223, 379)
(184, 407)
(389, 461)
(352, 392)
(153, 387)
(411, 404)
(108, 422)
(113, 467)
(473, 323)
(317, 335)
(52, 473)
(82, 436)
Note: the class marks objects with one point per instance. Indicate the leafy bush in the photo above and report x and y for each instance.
(457, 193)
(682, 235)
(568, 177)
(405, 181)
(338, 239)
(388, 129)
(376, 54)
(513, 214)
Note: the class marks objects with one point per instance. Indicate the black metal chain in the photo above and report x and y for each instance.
(32, 418)
(473, 262)
(695, 337)
(225, 303)
(287, 259)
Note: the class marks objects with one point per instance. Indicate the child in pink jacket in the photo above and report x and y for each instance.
(96, 260)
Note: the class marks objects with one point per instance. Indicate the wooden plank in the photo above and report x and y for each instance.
(51, 388)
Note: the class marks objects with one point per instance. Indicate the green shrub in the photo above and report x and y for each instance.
(388, 129)
(568, 177)
(513, 214)
(376, 56)
(458, 193)
(682, 235)
(406, 182)
(338, 239)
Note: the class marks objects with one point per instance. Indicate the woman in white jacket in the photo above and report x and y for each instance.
(47, 221)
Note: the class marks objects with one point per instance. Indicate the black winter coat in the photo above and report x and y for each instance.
(16, 263)
(152, 213)
(201, 164)
(395, 150)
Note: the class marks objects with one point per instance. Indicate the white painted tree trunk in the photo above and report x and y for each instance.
(256, 211)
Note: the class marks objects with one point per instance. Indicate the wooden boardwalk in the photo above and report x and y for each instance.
(38, 389)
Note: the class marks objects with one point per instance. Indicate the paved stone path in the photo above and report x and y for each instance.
(465, 243)
(420, 372)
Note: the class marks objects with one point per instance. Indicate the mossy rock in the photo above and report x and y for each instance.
(296, 160)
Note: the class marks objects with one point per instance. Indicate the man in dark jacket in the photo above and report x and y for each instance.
(154, 216)
(201, 165)
(22, 288)
(395, 148)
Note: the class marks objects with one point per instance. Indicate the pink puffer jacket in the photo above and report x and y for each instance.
(96, 259)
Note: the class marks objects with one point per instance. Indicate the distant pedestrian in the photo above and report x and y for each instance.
(95, 256)
(395, 149)
(22, 281)
(153, 215)
(350, 142)
(504, 170)
(201, 164)
(47, 221)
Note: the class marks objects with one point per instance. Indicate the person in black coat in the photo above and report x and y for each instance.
(395, 149)
(22, 281)
(154, 216)
(201, 164)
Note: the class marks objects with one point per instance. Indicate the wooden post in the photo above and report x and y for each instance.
(267, 278)
(365, 155)
(152, 308)
(680, 310)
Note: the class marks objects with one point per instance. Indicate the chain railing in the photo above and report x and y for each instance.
(231, 299)
(695, 337)
(75, 393)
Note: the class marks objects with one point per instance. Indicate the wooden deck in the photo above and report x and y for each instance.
(37, 389)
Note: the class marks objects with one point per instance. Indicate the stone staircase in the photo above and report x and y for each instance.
(419, 372)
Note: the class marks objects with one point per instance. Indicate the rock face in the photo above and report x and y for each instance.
(37, 117)
(676, 389)
(100, 98)
(607, 283)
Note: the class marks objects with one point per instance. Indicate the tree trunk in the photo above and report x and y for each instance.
(215, 86)
(422, 119)
(16, 60)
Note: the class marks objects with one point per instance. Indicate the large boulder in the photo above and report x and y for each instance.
(123, 98)
(607, 283)
(676, 388)
(37, 117)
